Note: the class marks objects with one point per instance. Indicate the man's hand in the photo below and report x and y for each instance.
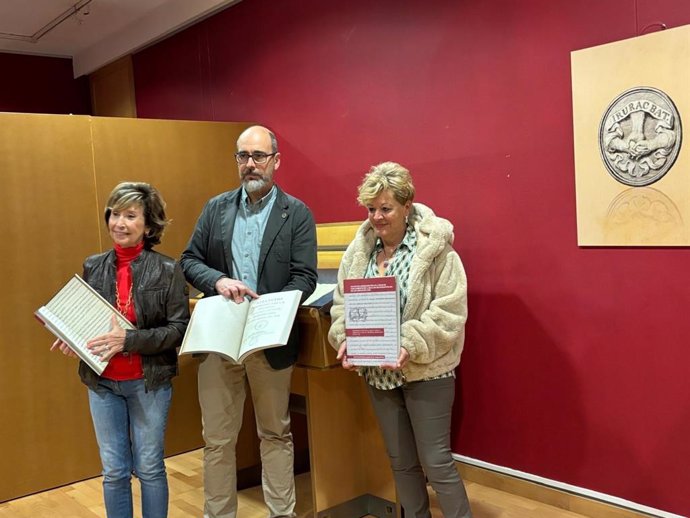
(233, 289)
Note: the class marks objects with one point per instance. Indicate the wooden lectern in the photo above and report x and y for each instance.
(350, 471)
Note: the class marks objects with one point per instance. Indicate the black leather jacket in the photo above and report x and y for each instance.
(161, 303)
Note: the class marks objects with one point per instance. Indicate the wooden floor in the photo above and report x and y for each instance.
(84, 499)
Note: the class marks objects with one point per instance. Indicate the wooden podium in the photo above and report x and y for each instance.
(350, 470)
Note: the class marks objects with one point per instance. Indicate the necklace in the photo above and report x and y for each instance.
(123, 309)
(386, 258)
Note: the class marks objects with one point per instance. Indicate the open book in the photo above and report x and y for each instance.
(78, 313)
(221, 326)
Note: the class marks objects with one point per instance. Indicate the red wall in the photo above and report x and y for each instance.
(33, 84)
(576, 359)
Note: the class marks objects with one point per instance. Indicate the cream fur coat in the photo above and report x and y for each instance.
(433, 321)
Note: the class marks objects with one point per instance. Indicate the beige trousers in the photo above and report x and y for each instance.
(222, 389)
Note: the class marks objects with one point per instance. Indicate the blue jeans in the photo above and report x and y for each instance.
(130, 427)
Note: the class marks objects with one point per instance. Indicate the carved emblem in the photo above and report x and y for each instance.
(644, 215)
(640, 136)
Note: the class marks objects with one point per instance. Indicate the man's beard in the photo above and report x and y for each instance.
(254, 185)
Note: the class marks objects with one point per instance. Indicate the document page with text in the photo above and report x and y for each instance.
(78, 313)
(372, 320)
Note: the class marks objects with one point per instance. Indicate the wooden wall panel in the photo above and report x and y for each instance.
(57, 172)
(188, 162)
(112, 90)
(46, 435)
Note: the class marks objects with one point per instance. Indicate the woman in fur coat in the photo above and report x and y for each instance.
(413, 397)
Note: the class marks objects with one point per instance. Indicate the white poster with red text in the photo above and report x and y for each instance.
(372, 321)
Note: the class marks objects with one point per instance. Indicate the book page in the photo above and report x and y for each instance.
(270, 320)
(78, 313)
(216, 327)
(320, 290)
(372, 321)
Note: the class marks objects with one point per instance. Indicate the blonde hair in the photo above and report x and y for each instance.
(386, 176)
(127, 194)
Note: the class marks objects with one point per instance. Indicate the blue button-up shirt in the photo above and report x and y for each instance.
(250, 225)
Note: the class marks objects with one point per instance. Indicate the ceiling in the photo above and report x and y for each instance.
(95, 32)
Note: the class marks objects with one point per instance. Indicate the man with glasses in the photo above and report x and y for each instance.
(253, 240)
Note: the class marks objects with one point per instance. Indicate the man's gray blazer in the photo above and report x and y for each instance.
(287, 260)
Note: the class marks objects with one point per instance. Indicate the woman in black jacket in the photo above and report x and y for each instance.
(129, 401)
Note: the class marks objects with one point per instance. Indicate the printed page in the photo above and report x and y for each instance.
(270, 320)
(216, 327)
(76, 314)
(320, 290)
(372, 321)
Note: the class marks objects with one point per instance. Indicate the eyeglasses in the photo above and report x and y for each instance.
(259, 157)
